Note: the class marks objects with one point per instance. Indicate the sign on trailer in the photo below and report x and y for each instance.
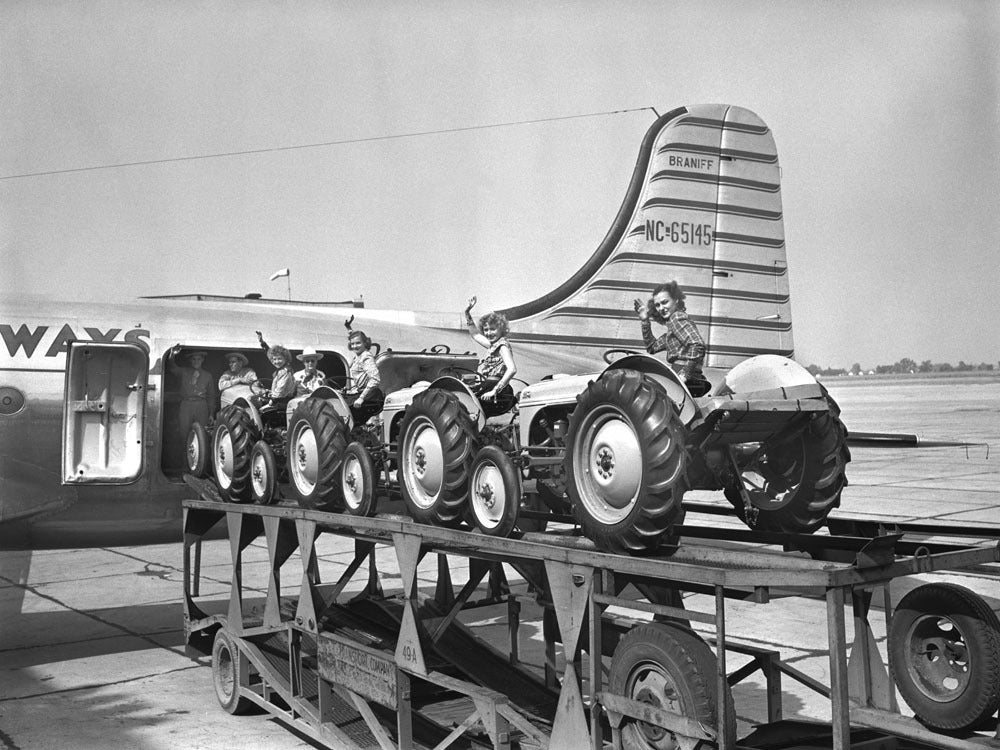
(363, 670)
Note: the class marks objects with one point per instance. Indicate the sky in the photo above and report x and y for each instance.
(417, 153)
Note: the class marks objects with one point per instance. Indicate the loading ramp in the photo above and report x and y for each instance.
(387, 667)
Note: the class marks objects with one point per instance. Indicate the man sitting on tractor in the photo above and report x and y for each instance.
(309, 378)
(239, 372)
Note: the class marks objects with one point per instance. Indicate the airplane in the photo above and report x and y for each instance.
(703, 207)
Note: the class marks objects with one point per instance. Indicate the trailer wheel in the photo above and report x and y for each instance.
(226, 675)
(671, 668)
(199, 448)
(317, 439)
(357, 477)
(625, 462)
(263, 474)
(494, 492)
(436, 447)
(944, 654)
(794, 483)
(231, 445)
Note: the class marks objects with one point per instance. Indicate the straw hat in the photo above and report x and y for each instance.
(309, 353)
(238, 355)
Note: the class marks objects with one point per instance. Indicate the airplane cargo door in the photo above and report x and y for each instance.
(103, 413)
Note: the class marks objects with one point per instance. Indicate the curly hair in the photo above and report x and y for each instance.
(365, 341)
(676, 294)
(279, 350)
(497, 320)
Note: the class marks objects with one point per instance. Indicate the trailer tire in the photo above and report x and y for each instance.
(494, 492)
(357, 478)
(436, 448)
(226, 675)
(198, 450)
(795, 483)
(944, 656)
(317, 439)
(625, 462)
(655, 660)
(231, 445)
(263, 474)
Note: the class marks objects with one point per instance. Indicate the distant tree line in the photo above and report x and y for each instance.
(903, 366)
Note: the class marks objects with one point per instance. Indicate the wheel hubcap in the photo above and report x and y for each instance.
(651, 685)
(489, 495)
(225, 676)
(940, 660)
(425, 461)
(193, 453)
(224, 458)
(305, 463)
(353, 482)
(610, 457)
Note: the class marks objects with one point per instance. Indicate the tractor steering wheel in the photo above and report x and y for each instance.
(610, 358)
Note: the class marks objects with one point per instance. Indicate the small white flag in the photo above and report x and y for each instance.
(279, 274)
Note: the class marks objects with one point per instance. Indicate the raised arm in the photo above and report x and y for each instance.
(652, 343)
(471, 325)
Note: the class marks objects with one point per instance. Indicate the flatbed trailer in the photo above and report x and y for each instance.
(388, 668)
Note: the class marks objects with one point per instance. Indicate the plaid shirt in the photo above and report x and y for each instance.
(682, 343)
(364, 374)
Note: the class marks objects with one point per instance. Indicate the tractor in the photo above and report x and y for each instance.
(619, 448)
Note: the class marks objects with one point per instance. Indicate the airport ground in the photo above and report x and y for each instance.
(92, 646)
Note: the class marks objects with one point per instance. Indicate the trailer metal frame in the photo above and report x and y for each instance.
(580, 584)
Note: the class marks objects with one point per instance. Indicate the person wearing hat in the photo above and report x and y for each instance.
(309, 379)
(239, 372)
(198, 397)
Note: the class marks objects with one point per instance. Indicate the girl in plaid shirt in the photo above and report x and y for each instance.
(682, 342)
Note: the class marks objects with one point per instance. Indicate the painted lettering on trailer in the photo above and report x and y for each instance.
(54, 342)
(678, 232)
(691, 162)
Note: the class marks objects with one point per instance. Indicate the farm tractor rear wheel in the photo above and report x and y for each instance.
(625, 462)
(436, 448)
(317, 439)
(794, 483)
(232, 443)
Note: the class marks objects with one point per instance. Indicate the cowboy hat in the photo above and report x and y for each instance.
(197, 354)
(309, 353)
(237, 355)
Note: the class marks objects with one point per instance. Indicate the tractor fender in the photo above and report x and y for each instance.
(331, 396)
(663, 374)
(250, 408)
(770, 376)
(465, 396)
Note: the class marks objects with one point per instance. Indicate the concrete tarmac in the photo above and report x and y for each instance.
(91, 640)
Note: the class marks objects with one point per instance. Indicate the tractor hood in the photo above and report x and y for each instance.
(560, 389)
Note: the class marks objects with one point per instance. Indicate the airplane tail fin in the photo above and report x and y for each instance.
(703, 208)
